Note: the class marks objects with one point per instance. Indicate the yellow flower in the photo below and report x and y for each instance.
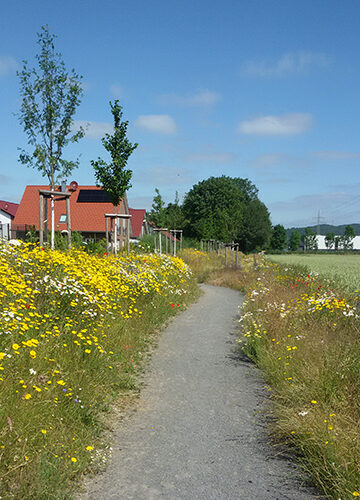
(60, 382)
(32, 354)
(2, 355)
(73, 459)
(15, 347)
(313, 401)
(356, 494)
(27, 396)
(44, 431)
(89, 448)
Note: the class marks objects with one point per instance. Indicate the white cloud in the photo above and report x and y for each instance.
(94, 130)
(336, 155)
(162, 124)
(289, 124)
(291, 63)
(211, 157)
(116, 91)
(7, 65)
(201, 98)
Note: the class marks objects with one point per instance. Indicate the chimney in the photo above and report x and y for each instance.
(63, 186)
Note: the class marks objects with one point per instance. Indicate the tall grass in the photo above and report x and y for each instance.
(343, 268)
(74, 331)
(303, 331)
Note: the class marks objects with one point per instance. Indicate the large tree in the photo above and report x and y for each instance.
(50, 96)
(347, 238)
(227, 209)
(310, 240)
(278, 239)
(294, 240)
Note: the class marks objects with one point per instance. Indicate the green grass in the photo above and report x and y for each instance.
(342, 268)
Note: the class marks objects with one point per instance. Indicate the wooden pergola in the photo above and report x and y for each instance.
(43, 213)
(111, 229)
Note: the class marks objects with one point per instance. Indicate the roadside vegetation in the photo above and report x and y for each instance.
(74, 331)
(344, 269)
(303, 331)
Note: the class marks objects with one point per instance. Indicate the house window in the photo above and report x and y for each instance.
(62, 218)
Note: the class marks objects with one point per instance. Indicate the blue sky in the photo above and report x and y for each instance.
(266, 90)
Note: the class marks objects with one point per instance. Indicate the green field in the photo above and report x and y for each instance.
(344, 268)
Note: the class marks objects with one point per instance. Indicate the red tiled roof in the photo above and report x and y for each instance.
(85, 216)
(137, 219)
(8, 207)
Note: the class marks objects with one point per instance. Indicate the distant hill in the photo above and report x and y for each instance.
(325, 228)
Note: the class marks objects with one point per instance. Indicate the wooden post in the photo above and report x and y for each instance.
(107, 234)
(46, 230)
(181, 242)
(41, 219)
(68, 222)
(237, 250)
(255, 263)
(225, 255)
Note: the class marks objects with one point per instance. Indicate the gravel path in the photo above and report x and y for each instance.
(198, 432)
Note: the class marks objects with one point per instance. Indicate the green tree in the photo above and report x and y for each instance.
(330, 240)
(278, 238)
(157, 213)
(348, 236)
(294, 241)
(256, 231)
(173, 215)
(310, 240)
(114, 177)
(227, 209)
(50, 96)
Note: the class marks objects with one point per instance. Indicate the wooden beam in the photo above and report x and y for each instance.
(41, 220)
(68, 222)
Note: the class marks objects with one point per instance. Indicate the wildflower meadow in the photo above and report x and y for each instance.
(74, 330)
(302, 329)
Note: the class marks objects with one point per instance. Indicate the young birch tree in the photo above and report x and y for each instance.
(114, 177)
(50, 96)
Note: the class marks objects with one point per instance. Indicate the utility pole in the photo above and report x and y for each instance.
(318, 222)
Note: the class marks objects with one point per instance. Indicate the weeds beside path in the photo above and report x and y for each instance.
(302, 329)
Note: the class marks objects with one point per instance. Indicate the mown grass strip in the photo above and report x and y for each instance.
(74, 331)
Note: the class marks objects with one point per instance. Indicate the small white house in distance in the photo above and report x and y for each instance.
(321, 243)
(7, 214)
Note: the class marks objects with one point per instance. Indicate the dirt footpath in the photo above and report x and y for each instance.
(198, 432)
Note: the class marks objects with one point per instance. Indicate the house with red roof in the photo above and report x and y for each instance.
(88, 206)
(7, 215)
(139, 224)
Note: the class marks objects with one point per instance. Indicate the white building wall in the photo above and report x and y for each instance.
(5, 218)
(321, 243)
(5, 225)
